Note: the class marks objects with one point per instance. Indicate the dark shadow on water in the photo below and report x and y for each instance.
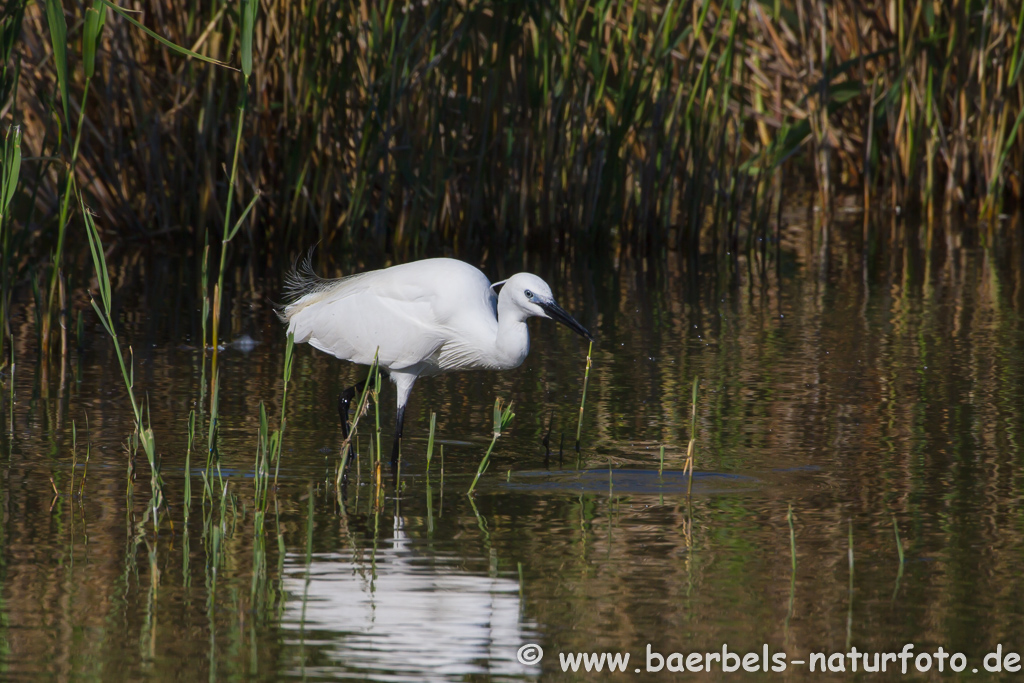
(629, 482)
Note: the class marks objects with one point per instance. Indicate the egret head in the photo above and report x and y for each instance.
(532, 297)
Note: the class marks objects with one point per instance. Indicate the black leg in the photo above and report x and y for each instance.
(397, 447)
(344, 401)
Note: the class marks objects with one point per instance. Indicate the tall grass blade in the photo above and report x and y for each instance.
(289, 359)
(502, 418)
(95, 17)
(583, 399)
(691, 447)
(163, 41)
(58, 26)
(188, 463)
(11, 169)
(430, 437)
(143, 432)
(248, 11)
(899, 550)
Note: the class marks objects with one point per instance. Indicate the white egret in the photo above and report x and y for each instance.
(420, 319)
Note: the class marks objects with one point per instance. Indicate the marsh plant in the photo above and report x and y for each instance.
(508, 125)
(268, 448)
(143, 435)
(10, 169)
(502, 419)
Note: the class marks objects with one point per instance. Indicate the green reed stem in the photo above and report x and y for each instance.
(143, 433)
(188, 462)
(899, 550)
(218, 290)
(376, 407)
(62, 226)
(346, 446)
(691, 448)
(262, 474)
(10, 170)
(502, 418)
(85, 469)
(899, 543)
(58, 34)
(792, 539)
(205, 290)
(212, 456)
(248, 15)
(289, 359)
(430, 437)
(583, 399)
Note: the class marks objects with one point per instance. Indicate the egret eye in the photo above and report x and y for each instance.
(529, 294)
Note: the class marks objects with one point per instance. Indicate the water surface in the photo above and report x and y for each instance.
(881, 387)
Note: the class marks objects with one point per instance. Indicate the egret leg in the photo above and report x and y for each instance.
(403, 385)
(344, 401)
(397, 445)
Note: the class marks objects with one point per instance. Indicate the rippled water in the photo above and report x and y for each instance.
(881, 388)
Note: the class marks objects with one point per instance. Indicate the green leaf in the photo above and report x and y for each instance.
(844, 92)
(59, 39)
(238, 223)
(177, 48)
(103, 318)
(94, 20)
(11, 167)
(249, 8)
(10, 29)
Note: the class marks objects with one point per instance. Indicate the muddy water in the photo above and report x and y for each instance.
(881, 389)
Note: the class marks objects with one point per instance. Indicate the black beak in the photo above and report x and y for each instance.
(556, 312)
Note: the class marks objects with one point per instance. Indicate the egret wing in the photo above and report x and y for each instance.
(396, 322)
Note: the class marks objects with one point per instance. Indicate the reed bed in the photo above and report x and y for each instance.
(406, 127)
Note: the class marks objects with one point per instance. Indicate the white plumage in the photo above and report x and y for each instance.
(420, 319)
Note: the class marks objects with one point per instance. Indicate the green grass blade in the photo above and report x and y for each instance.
(430, 437)
(238, 223)
(59, 39)
(173, 46)
(95, 17)
(249, 8)
(11, 168)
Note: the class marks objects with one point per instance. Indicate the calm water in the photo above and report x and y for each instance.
(880, 385)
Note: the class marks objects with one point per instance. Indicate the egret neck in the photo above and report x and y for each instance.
(513, 336)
